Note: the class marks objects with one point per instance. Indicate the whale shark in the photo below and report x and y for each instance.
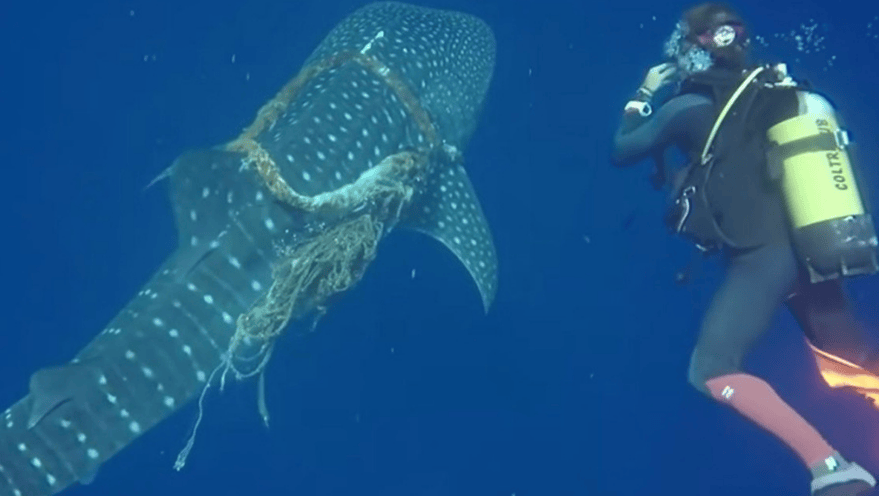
(368, 137)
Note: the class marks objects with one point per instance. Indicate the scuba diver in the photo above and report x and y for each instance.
(770, 184)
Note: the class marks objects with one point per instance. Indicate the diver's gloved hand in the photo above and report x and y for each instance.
(657, 76)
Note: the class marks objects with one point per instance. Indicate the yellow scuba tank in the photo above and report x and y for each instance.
(832, 230)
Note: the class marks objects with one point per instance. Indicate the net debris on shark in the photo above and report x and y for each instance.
(367, 138)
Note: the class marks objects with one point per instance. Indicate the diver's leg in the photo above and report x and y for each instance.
(844, 352)
(755, 287)
(757, 283)
(824, 313)
(827, 320)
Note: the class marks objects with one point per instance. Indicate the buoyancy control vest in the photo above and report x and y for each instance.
(775, 166)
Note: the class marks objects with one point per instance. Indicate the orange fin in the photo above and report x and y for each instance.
(839, 373)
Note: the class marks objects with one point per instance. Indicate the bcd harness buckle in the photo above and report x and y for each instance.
(684, 204)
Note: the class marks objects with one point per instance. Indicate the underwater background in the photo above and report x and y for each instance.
(573, 384)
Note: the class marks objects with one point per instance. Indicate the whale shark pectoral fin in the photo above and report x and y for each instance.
(449, 211)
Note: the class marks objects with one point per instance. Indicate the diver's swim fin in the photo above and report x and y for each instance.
(840, 373)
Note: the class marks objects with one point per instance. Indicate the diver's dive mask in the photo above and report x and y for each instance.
(722, 36)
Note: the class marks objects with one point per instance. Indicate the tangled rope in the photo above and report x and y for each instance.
(308, 273)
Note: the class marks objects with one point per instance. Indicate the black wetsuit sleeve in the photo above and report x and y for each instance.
(683, 121)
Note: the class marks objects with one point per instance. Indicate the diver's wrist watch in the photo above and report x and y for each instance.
(643, 108)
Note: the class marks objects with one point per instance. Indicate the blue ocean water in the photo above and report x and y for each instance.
(573, 384)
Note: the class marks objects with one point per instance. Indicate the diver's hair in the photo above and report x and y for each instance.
(704, 16)
(689, 57)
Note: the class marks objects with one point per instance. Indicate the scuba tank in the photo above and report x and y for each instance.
(832, 230)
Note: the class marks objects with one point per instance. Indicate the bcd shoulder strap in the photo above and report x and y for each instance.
(690, 216)
(706, 150)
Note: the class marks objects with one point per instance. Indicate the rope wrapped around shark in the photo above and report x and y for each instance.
(308, 273)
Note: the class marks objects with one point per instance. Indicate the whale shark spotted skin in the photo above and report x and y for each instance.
(390, 77)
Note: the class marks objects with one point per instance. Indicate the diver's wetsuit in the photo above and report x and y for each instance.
(762, 273)
(761, 276)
